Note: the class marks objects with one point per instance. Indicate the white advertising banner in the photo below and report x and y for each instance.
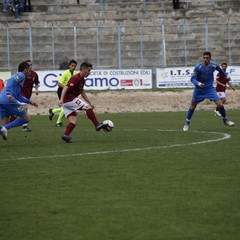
(174, 77)
(234, 73)
(111, 79)
(5, 75)
(180, 77)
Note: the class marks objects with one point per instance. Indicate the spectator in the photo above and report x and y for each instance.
(65, 64)
(175, 4)
(77, 1)
(5, 4)
(16, 7)
(27, 6)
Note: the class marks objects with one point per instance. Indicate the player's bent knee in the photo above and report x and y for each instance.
(26, 117)
(86, 107)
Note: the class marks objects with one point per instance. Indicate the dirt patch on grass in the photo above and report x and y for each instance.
(136, 101)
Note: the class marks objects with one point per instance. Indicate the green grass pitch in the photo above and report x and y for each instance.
(146, 180)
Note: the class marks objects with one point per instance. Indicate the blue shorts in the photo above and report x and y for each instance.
(201, 94)
(13, 109)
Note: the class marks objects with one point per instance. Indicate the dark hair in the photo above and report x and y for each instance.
(224, 64)
(207, 53)
(85, 65)
(72, 61)
(28, 60)
(22, 66)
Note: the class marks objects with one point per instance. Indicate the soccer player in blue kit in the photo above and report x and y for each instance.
(11, 101)
(203, 79)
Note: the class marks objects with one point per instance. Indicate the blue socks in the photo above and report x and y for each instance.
(16, 123)
(190, 113)
(222, 111)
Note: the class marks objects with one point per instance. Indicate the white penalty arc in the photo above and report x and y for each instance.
(221, 137)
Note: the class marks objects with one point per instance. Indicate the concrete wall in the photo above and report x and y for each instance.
(91, 31)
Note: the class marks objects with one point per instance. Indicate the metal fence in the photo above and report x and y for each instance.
(120, 46)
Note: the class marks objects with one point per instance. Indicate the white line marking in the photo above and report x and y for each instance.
(224, 136)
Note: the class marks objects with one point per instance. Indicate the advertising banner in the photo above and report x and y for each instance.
(234, 73)
(180, 77)
(5, 75)
(111, 79)
(174, 77)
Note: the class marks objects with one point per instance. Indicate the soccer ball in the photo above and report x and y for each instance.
(110, 125)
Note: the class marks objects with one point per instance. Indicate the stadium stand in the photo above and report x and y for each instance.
(127, 33)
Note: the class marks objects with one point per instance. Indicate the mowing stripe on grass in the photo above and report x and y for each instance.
(223, 136)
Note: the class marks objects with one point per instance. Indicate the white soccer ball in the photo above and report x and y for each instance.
(110, 125)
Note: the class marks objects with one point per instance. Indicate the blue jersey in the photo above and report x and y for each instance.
(14, 87)
(204, 74)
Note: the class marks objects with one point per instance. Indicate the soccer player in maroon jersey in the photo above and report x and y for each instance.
(31, 81)
(71, 103)
(221, 86)
(66, 75)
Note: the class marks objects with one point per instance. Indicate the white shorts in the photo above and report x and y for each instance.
(221, 94)
(74, 105)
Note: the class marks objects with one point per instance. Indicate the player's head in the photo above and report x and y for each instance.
(85, 69)
(207, 53)
(29, 63)
(72, 65)
(24, 68)
(224, 66)
(207, 56)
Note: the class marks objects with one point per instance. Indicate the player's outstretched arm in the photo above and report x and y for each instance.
(232, 87)
(85, 97)
(34, 104)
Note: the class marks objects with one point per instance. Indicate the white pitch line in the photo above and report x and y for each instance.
(224, 137)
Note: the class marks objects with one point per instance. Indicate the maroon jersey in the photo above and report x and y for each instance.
(223, 80)
(75, 86)
(31, 80)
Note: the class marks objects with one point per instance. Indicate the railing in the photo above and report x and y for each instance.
(120, 46)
